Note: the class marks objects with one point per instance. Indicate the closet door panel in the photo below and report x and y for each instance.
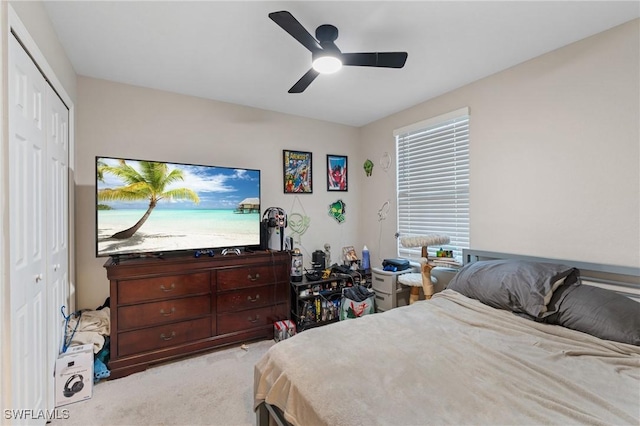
(58, 199)
(27, 254)
(57, 154)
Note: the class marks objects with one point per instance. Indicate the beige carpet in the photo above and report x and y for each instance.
(211, 389)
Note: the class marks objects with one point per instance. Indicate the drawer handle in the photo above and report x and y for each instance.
(166, 314)
(166, 290)
(255, 320)
(256, 277)
(249, 299)
(165, 338)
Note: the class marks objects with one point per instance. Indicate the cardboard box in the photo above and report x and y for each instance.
(283, 330)
(74, 375)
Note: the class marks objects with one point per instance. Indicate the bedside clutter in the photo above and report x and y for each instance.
(391, 294)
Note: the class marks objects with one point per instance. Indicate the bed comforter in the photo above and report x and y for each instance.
(449, 360)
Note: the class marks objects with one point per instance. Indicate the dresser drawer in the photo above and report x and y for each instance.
(133, 342)
(251, 276)
(156, 313)
(245, 320)
(170, 286)
(250, 298)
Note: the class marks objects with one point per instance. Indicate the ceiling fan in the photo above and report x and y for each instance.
(326, 56)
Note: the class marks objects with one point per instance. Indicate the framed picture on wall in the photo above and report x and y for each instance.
(297, 172)
(337, 173)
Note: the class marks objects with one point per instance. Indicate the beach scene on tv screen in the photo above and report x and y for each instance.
(156, 207)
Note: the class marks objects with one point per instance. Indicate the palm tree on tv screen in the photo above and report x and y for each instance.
(100, 170)
(148, 184)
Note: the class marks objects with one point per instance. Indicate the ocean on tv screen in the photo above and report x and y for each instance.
(151, 207)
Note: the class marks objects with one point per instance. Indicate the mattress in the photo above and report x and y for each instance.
(449, 360)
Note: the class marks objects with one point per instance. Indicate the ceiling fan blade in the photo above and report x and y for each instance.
(375, 59)
(295, 29)
(304, 82)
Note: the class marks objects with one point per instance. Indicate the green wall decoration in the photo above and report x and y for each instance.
(368, 167)
(337, 210)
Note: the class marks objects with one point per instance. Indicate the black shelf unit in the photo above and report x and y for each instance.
(317, 303)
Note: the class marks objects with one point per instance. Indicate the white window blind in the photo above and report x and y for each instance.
(433, 181)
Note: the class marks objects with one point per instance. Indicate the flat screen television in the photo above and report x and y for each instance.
(153, 207)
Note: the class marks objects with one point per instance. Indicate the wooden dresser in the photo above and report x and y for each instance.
(167, 308)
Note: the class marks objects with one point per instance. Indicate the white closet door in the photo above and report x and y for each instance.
(57, 226)
(27, 268)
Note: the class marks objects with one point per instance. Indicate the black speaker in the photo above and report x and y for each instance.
(74, 385)
(264, 235)
(318, 260)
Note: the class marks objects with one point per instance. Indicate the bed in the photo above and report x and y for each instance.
(467, 358)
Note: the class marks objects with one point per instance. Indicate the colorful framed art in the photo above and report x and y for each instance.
(337, 173)
(297, 172)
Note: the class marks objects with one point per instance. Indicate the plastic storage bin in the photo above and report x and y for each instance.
(389, 293)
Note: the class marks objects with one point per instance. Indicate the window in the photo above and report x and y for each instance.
(433, 181)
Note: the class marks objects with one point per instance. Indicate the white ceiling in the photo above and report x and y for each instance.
(231, 51)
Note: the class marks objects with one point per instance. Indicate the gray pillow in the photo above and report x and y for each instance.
(519, 286)
(596, 311)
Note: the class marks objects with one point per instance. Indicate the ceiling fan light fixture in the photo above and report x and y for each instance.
(327, 64)
(326, 57)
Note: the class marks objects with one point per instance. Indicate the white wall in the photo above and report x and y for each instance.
(555, 155)
(35, 19)
(133, 122)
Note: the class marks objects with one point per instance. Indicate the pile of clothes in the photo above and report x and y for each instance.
(91, 327)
